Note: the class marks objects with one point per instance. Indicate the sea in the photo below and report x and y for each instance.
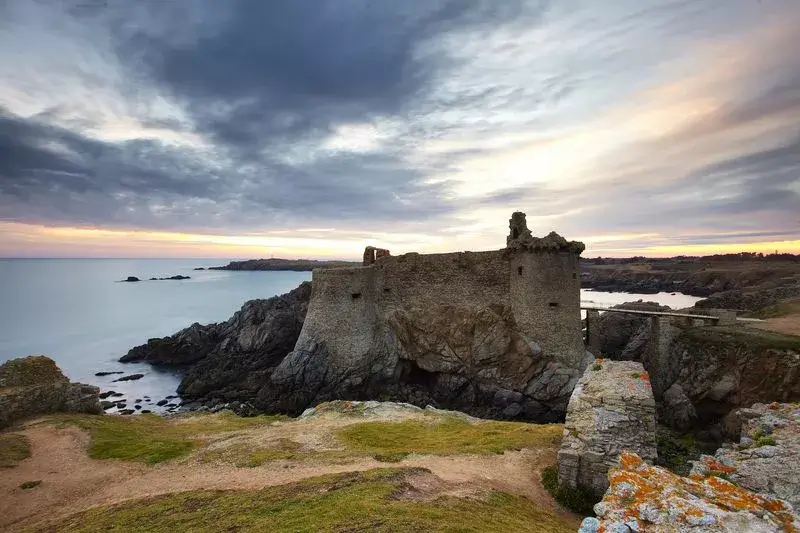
(79, 313)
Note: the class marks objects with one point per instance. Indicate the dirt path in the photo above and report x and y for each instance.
(788, 325)
(71, 481)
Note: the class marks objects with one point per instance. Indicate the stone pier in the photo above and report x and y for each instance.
(611, 410)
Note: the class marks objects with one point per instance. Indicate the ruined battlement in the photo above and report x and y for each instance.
(509, 318)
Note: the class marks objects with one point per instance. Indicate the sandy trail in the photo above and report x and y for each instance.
(788, 325)
(72, 482)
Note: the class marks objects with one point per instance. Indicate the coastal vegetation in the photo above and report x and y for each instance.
(150, 438)
(373, 500)
(13, 449)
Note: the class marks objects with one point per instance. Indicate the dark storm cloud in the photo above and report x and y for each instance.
(255, 78)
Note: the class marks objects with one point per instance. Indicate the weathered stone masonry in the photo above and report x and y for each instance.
(498, 331)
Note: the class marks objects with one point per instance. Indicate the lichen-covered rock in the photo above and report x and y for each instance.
(767, 456)
(35, 385)
(650, 498)
(611, 410)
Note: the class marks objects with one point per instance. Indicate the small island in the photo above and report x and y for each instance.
(272, 264)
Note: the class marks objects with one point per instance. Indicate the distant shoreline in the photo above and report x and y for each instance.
(273, 264)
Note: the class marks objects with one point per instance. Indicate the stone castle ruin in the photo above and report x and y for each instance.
(495, 333)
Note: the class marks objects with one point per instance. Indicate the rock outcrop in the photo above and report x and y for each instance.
(231, 360)
(704, 373)
(34, 385)
(625, 336)
(765, 454)
(274, 263)
(611, 410)
(650, 498)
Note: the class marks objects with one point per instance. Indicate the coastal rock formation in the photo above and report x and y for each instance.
(489, 333)
(700, 374)
(34, 385)
(624, 336)
(766, 455)
(233, 359)
(650, 498)
(297, 265)
(611, 410)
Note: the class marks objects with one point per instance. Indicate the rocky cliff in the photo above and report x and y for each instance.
(34, 385)
(231, 360)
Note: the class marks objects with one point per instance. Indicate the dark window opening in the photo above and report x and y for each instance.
(553, 304)
(519, 270)
(356, 295)
(387, 290)
(574, 275)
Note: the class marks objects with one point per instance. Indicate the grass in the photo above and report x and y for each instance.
(379, 500)
(780, 309)
(597, 367)
(392, 441)
(732, 337)
(247, 456)
(765, 441)
(150, 438)
(577, 500)
(674, 453)
(13, 449)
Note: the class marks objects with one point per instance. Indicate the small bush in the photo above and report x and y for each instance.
(597, 366)
(580, 501)
(765, 441)
(30, 484)
(636, 375)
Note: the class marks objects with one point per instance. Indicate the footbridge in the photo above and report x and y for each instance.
(721, 317)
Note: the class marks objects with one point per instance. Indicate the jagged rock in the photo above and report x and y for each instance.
(650, 498)
(625, 336)
(232, 359)
(612, 409)
(677, 410)
(34, 385)
(132, 377)
(101, 374)
(767, 458)
(131, 279)
(162, 402)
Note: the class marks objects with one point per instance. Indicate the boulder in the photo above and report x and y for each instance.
(131, 279)
(624, 336)
(131, 377)
(611, 410)
(34, 385)
(766, 457)
(650, 498)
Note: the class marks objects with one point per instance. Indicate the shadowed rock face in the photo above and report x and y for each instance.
(232, 359)
(34, 385)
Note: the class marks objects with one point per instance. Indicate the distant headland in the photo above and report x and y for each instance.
(297, 265)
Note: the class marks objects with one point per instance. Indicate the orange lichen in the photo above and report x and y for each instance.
(645, 376)
(716, 466)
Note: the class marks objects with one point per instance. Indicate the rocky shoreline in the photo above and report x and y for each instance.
(274, 264)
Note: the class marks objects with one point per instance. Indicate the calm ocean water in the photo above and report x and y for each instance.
(75, 311)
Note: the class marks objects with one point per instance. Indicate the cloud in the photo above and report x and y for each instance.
(657, 122)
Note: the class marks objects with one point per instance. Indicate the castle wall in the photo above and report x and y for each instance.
(462, 279)
(342, 313)
(545, 297)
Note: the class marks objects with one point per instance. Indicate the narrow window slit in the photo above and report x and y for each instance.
(356, 295)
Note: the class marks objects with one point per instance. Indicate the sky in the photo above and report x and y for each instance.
(312, 128)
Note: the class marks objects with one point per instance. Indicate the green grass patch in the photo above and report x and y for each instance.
(765, 441)
(379, 500)
(675, 453)
(597, 367)
(246, 456)
(733, 337)
(576, 500)
(30, 484)
(394, 440)
(150, 438)
(778, 310)
(13, 449)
